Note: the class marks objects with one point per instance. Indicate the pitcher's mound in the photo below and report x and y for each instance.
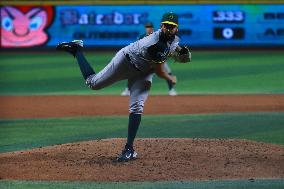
(159, 159)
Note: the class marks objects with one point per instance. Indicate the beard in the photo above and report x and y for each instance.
(168, 35)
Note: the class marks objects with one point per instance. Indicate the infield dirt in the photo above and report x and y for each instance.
(69, 106)
(159, 159)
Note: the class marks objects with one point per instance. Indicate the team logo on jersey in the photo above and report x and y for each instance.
(164, 54)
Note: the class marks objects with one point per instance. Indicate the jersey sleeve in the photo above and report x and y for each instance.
(174, 44)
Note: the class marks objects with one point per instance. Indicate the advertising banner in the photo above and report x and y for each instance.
(117, 26)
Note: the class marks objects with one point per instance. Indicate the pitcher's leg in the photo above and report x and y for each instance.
(84, 65)
(133, 125)
(75, 48)
(139, 91)
(118, 69)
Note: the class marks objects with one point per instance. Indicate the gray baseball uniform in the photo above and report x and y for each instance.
(135, 62)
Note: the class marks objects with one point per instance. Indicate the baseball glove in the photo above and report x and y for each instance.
(183, 56)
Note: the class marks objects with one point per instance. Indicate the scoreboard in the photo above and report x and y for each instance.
(201, 25)
(228, 16)
(236, 25)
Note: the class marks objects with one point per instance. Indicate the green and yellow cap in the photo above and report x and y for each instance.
(170, 18)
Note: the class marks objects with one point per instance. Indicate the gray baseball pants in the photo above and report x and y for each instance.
(118, 69)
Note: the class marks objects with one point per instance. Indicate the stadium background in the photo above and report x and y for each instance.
(237, 48)
(106, 25)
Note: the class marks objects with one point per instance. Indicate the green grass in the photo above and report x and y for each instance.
(22, 134)
(228, 72)
(231, 184)
(211, 72)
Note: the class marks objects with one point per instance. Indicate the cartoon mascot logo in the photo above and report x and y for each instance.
(25, 26)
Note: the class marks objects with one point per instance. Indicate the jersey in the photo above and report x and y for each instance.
(152, 49)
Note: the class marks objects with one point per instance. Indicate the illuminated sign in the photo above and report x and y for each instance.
(73, 16)
(201, 25)
(273, 16)
(272, 34)
(228, 16)
(228, 33)
(25, 26)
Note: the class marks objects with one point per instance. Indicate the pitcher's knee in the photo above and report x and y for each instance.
(91, 83)
(137, 107)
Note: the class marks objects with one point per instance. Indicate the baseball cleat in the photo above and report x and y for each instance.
(172, 92)
(125, 92)
(127, 154)
(70, 47)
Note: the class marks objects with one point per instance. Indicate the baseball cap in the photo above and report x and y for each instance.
(170, 18)
(149, 25)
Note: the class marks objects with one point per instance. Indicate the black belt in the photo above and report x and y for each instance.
(129, 60)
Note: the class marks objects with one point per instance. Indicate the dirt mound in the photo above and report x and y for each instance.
(68, 106)
(159, 159)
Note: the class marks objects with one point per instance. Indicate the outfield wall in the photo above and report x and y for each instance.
(200, 25)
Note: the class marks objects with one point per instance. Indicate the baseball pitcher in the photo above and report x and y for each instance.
(136, 63)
